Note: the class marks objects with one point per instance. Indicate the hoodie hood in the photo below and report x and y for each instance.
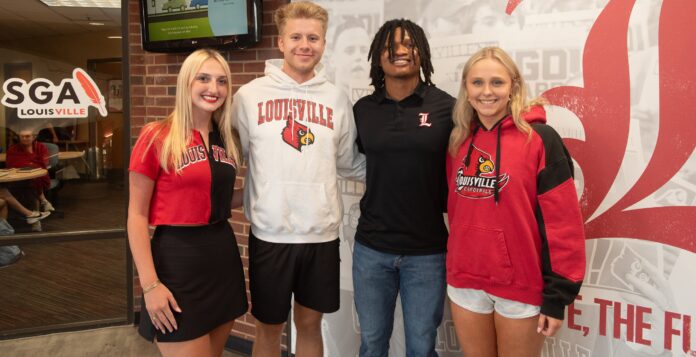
(534, 115)
(298, 137)
(274, 70)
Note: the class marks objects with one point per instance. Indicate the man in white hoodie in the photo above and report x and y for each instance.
(297, 133)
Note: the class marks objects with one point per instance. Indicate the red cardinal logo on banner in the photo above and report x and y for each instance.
(603, 107)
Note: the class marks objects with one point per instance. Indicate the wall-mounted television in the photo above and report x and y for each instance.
(184, 25)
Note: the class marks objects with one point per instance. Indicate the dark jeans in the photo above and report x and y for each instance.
(377, 279)
(8, 253)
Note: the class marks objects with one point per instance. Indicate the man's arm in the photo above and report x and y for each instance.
(350, 163)
(240, 121)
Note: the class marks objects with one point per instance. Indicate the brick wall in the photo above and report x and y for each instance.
(152, 89)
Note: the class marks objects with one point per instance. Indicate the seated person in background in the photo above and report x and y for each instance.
(11, 201)
(54, 131)
(31, 153)
(9, 254)
(48, 134)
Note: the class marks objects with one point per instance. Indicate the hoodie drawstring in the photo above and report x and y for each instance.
(292, 108)
(294, 116)
(467, 158)
(307, 122)
(496, 188)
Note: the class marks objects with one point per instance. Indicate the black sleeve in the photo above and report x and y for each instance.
(357, 128)
(560, 226)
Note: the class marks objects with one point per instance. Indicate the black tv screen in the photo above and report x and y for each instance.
(184, 25)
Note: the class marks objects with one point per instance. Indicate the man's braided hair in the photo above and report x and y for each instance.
(385, 35)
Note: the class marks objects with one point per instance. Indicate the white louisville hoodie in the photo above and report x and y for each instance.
(296, 138)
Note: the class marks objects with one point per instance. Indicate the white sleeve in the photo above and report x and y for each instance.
(350, 162)
(240, 121)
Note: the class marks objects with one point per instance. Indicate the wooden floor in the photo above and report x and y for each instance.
(70, 282)
(83, 205)
(67, 282)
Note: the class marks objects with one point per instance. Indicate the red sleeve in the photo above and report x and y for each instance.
(16, 157)
(42, 154)
(144, 158)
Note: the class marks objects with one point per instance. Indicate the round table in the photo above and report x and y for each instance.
(13, 175)
(62, 155)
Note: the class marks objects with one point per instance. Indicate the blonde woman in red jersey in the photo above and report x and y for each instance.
(182, 173)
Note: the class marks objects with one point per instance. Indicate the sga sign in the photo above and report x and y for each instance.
(40, 98)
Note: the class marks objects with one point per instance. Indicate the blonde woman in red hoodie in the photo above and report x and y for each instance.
(516, 250)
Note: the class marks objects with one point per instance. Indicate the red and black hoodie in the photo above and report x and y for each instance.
(516, 230)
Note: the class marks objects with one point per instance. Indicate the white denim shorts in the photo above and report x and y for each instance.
(483, 303)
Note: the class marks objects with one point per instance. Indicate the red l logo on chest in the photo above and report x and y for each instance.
(424, 119)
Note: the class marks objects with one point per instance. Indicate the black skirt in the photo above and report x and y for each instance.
(201, 266)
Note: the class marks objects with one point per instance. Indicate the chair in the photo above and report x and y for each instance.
(53, 163)
(10, 138)
(53, 169)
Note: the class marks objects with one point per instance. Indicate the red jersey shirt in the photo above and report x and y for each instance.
(200, 192)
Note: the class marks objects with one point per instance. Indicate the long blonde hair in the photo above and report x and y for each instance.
(178, 126)
(463, 113)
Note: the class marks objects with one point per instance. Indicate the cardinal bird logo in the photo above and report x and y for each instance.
(297, 135)
(478, 180)
(91, 90)
(484, 165)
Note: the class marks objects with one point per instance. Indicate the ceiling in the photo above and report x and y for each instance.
(27, 19)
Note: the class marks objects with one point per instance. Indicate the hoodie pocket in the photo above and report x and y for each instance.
(480, 253)
(298, 207)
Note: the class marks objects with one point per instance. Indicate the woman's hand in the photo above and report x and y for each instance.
(548, 326)
(160, 302)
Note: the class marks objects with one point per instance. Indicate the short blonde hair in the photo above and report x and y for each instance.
(300, 10)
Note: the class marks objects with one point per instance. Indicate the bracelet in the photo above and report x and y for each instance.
(149, 288)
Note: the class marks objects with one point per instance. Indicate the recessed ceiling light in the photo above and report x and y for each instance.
(84, 3)
(114, 37)
(96, 23)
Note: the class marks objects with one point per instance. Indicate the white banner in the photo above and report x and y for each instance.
(620, 82)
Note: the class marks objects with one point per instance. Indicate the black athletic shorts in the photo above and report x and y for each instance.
(310, 271)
